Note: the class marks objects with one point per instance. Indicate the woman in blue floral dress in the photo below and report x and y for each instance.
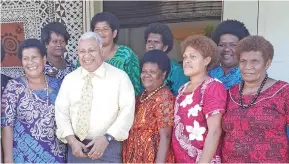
(27, 112)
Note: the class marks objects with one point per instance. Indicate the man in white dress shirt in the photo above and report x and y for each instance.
(95, 106)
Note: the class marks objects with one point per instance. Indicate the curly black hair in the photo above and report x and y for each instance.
(109, 18)
(31, 43)
(56, 27)
(164, 31)
(157, 57)
(233, 27)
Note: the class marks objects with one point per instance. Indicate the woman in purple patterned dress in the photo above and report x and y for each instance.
(27, 112)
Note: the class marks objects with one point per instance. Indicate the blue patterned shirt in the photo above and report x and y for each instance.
(230, 79)
(176, 78)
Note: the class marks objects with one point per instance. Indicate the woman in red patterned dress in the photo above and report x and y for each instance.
(149, 139)
(257, 109)
(199, 105)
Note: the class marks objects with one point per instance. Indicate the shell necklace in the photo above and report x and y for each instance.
(143, 99)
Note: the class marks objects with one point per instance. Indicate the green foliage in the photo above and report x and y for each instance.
(208, 30)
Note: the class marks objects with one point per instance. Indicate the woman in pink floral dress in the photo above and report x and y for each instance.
(199, 105)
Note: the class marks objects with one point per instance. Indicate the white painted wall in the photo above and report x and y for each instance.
(244, 11)
(273, 24)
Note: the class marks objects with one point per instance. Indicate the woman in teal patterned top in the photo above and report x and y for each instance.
(106, 25)
(159, 36)
(125, 59)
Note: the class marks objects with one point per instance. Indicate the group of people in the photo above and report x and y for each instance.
(219, 106)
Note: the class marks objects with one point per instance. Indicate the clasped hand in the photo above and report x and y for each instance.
(98, 146)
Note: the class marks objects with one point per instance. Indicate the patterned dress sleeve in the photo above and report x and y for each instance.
(132, 68)
(9, 103)
(165, 111)
(214, 99)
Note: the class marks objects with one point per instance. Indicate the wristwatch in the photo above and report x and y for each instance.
(108, 137)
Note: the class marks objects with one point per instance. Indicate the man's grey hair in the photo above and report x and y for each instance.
(89, 35)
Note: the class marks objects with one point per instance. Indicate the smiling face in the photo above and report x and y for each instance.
(89, 54)
(105, 32)
(33, 62)
(194, 63)
(56, 45)
(226, 48)
(253, 66)
(152, 76)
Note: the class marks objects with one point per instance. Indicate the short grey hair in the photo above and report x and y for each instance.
(89, 35)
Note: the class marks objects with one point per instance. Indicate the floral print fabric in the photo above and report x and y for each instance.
(190, 119)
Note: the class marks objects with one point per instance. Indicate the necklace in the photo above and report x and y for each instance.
(46, 89)
(255, 97)
(142, 99)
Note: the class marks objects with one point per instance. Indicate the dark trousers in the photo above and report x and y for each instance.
(112, 154)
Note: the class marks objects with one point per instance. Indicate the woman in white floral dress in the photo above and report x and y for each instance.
(199, 105)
